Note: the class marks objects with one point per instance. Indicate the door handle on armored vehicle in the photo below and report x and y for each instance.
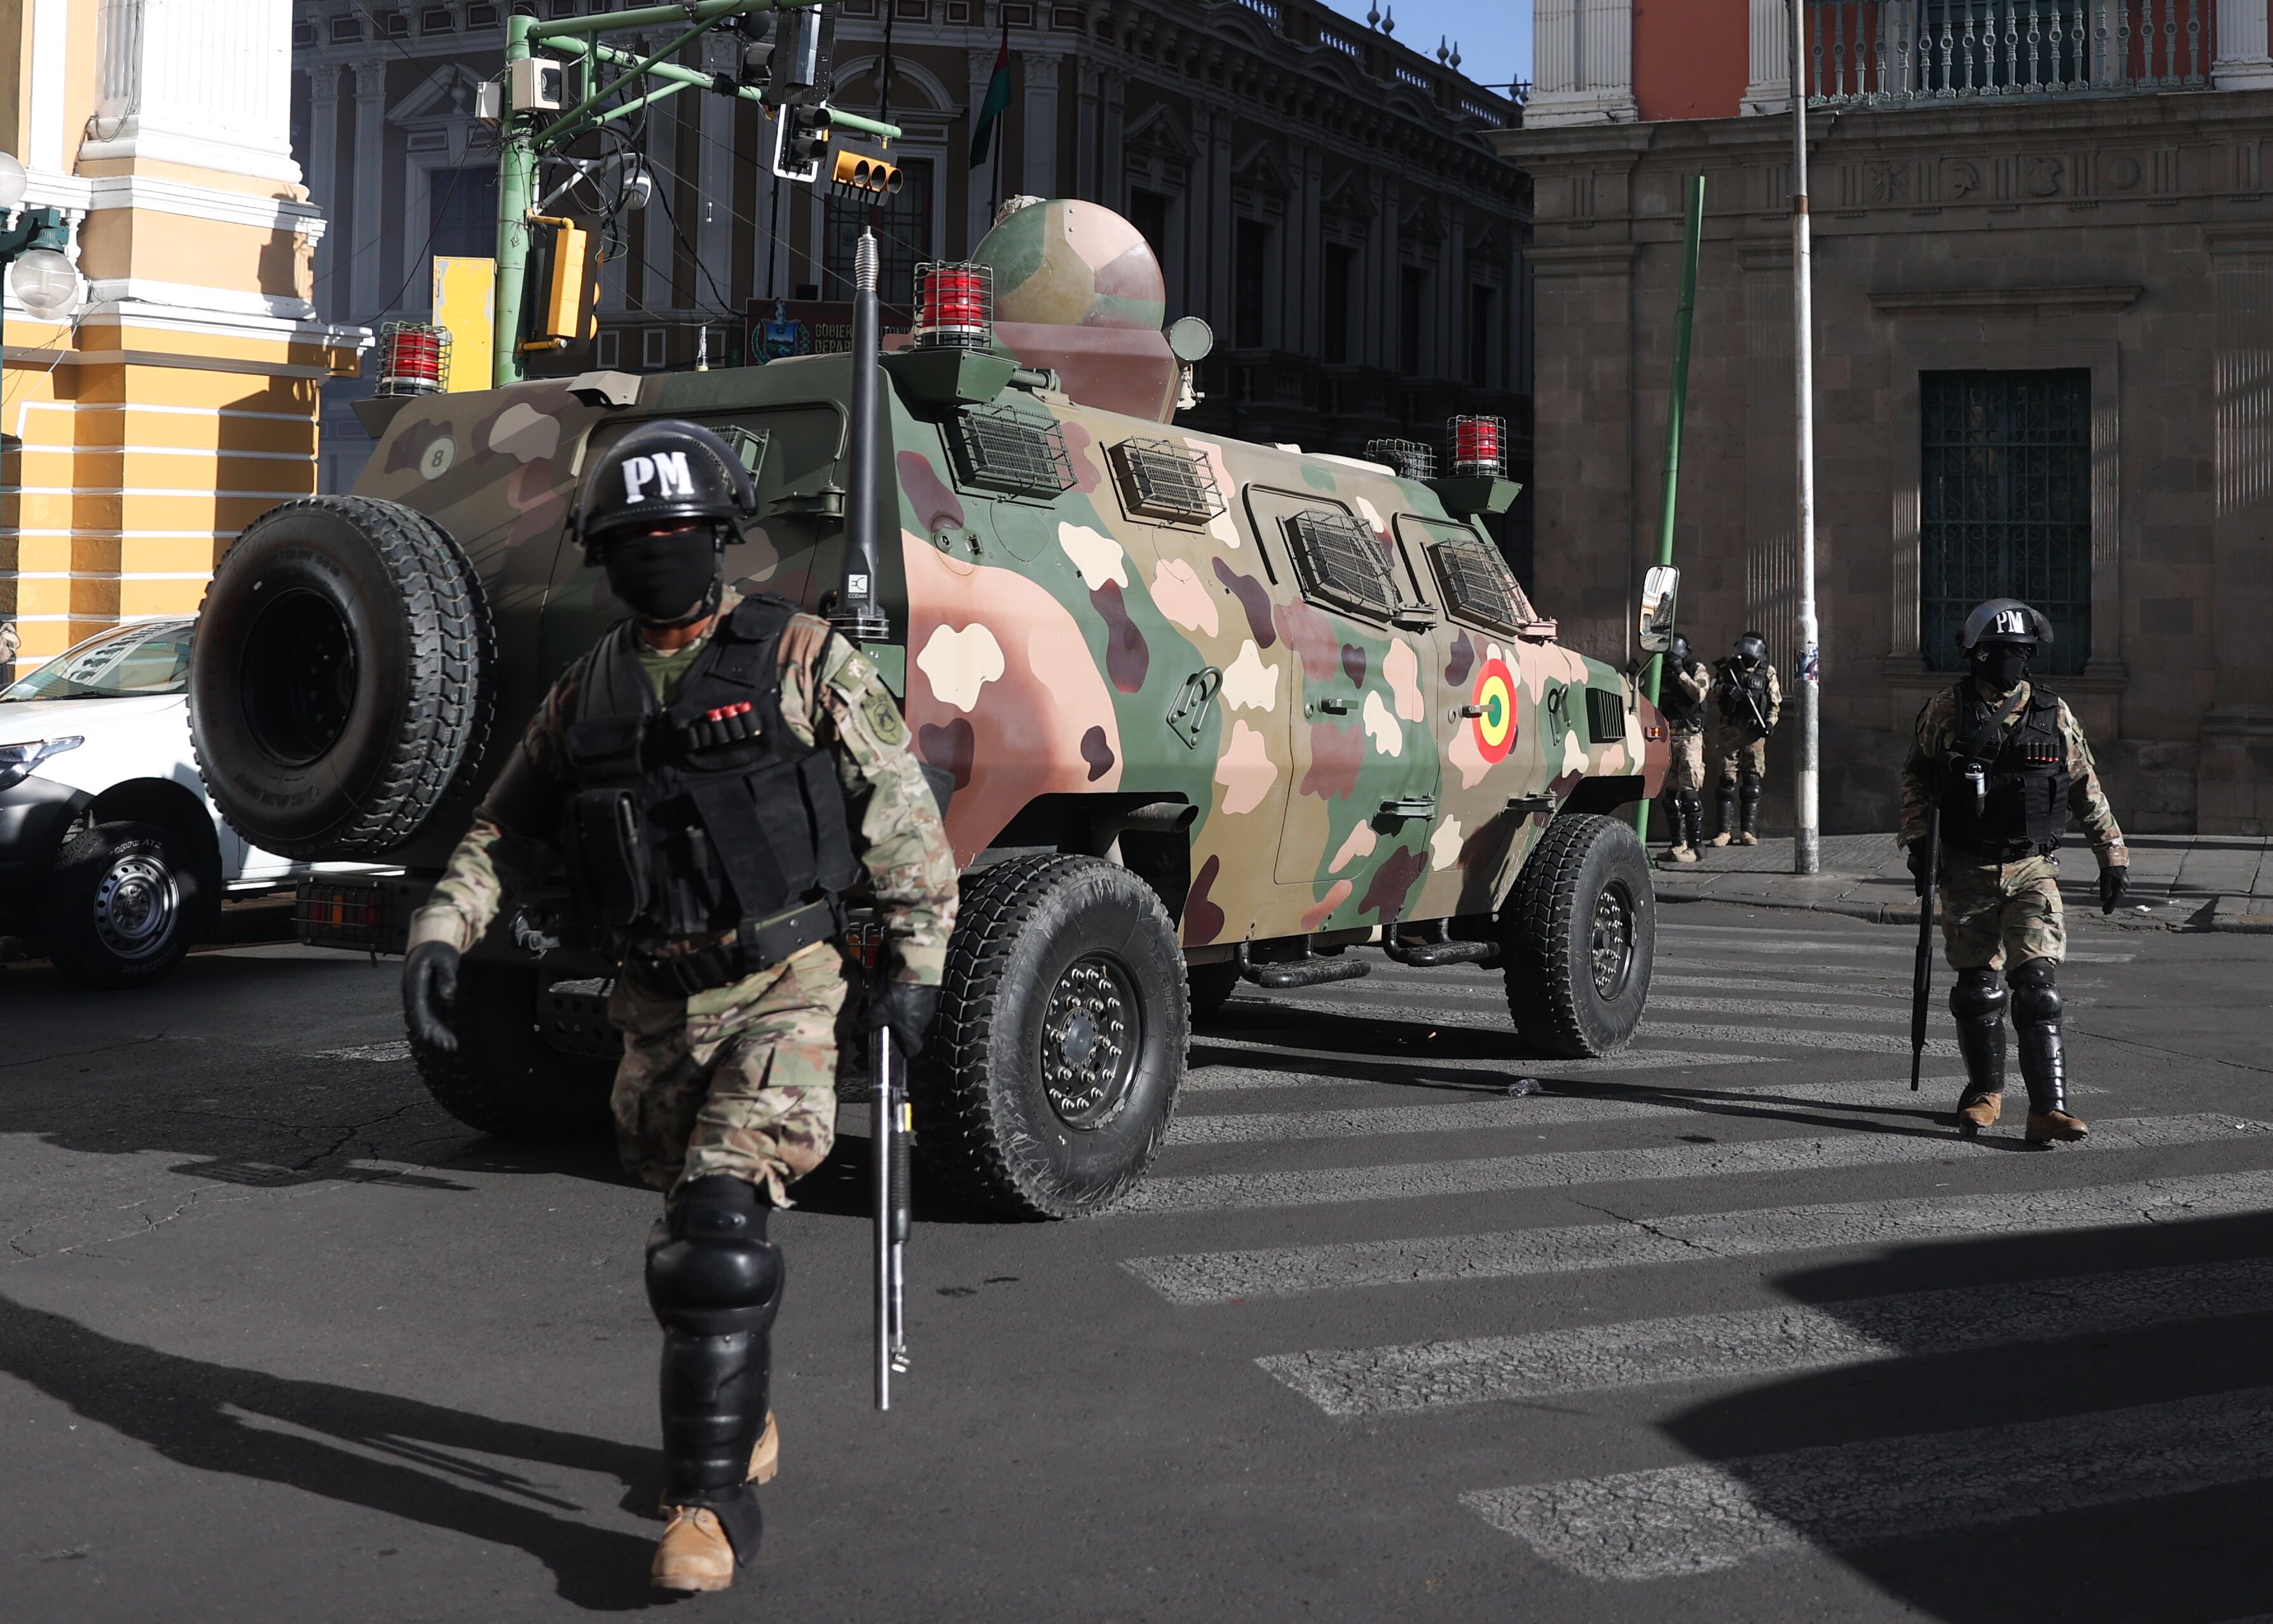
(1467, 712)
(1410, 806)
(1524, 806)
(1338, 707)
(826, 503)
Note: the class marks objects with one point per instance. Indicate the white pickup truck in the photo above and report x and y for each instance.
(111, 854)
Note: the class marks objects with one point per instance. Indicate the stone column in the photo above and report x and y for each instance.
(1582, 69)
(1768, 88)
(2242, 62)
(1042, 176)
(161, 63)
(1085, 173)
(2234, 780)
(323, 177)
(367, 220)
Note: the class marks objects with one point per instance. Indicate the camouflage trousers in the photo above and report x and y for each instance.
(1997, 915)
(1686, 768)
(739, 1081)
(1746, 751)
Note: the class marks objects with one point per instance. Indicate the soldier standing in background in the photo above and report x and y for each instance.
(1752, 702)
(1681, 700)
(2007, 763)
(714, 774)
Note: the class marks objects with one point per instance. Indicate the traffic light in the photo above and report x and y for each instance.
(862, 176)
(553, 311)
(800, 141)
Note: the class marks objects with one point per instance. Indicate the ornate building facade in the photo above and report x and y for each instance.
(1322, 195)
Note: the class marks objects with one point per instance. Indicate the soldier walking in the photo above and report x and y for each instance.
(2007, 761)
(1751, 703)
(714, 774)
(1682, 701)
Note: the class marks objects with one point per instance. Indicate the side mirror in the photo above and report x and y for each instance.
(1659, 589)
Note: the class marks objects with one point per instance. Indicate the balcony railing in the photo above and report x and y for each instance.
(1867, 53)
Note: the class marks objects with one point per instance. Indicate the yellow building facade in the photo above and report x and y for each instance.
(179, 401)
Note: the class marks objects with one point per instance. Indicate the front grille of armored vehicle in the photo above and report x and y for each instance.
(1002, 449)
(1342, 558)
(1162, 480)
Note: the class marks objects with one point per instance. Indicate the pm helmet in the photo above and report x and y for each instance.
(2003, 620)
(662, 475)
(1751, 647)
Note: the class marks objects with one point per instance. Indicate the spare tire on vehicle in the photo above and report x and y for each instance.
(341, 678)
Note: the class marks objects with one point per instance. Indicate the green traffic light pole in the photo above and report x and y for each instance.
(527, 140)
(1692, 232)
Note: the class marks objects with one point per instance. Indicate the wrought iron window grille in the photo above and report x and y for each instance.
(1867, 53)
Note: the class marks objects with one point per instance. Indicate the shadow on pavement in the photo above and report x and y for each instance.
(2170, 1526)
(218, 1418)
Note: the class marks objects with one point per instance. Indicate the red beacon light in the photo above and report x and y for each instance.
(955, 307)
(414, 358)
(1478, 447)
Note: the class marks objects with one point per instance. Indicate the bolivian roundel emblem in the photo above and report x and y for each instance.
(1494, 703)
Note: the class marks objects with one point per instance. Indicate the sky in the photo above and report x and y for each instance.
(1494, 35)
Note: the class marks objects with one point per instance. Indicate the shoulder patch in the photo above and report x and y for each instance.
(883, 717)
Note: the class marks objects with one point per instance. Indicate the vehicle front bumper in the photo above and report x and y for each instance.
(33, 814)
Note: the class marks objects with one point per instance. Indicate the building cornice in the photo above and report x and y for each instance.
(2005, 301)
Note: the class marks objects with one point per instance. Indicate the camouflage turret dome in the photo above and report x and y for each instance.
(1068, 263)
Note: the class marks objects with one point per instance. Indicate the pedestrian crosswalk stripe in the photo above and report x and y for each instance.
(1793, 1037)
(1706, 1518)
(1212, 1079)
(1754, 1343)
(1410, 1181)
(1531, 1110)
(1640, 1059)
(1192, 1278)
(1889, 988)
(1779, 1009)
(1876, 950)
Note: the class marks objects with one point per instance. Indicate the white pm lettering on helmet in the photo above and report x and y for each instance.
(668, 470)
(2014, 621)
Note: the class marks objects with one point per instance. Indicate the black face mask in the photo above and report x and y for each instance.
(666, 579)
(2001, 666)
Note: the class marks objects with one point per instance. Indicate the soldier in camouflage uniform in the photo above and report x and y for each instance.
(1681, 699)
(701, 774)
(2007, 763)
(1752, 704)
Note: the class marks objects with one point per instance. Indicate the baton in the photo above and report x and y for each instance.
(887, 1150)
(1921, 974)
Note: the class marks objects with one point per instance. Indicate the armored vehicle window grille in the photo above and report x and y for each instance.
(1477, 584)
(1411, 458)
(747, 445)
(1003, 449)
(1162, 480)
(1340, 560)
(1606, 716)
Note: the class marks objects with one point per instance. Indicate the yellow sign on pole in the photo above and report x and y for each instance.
(465, 307)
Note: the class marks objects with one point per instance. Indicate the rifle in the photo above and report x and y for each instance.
(1921, 974)
(1727, 667)
(888, 1149)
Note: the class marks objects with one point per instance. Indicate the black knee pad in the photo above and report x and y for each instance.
(2036, 997)
(1976, 996)
(715, 1274)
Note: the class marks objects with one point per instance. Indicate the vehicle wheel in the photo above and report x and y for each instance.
(340, 682)
(1579, 937)
(1211, 986)
(123, 905)
(1050, 1078)
(505, 1079)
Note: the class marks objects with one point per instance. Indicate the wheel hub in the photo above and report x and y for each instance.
(135, 906)
(1089, 1042)
(1612, 948)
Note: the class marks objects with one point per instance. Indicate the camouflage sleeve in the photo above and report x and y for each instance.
(1928, 741)
(495, 860)
(2086, 799)
(831, 694)
(1694, 681)
(1775, 696)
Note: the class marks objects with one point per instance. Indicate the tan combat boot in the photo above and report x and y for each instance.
(1684, 853)
(765, 1457)
(1979, 1110)
(694, 1553)
(2050, 1127)
(1748, 839)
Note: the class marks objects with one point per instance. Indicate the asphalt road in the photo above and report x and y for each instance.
(1730, 1329)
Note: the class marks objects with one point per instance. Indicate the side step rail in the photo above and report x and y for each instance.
(1436, 948)
(1307, 971)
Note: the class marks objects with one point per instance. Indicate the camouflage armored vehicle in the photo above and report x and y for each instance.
(1200, 711)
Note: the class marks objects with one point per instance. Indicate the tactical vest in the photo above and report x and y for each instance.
(1735, 709)
(706, 815)
(2023, 806)
(1681, 713)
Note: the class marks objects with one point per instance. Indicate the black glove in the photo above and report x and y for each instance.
(2112, 883)
(429, 981)
(1916, 855)
(907, 1009)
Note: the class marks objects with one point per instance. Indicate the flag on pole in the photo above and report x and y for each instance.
(997, 102)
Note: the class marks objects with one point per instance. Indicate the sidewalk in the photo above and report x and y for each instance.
(2178, 882)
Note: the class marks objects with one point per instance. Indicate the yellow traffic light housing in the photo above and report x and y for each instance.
(560, 275)
(862, 175)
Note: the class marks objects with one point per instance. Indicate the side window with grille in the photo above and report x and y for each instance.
(1477, 582)
(1340, 561)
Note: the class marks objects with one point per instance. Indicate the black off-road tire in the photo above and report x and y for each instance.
(340, 685)
(1586, 881)
(505, 1080)
(1211, 986)
(123, 904)
(1035, 934)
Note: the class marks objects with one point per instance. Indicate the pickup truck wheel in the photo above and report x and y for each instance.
(505, 1080)
(1048, 1085)
(122, 903)
(340, 682)
(1579, 937)
(1211, 986)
